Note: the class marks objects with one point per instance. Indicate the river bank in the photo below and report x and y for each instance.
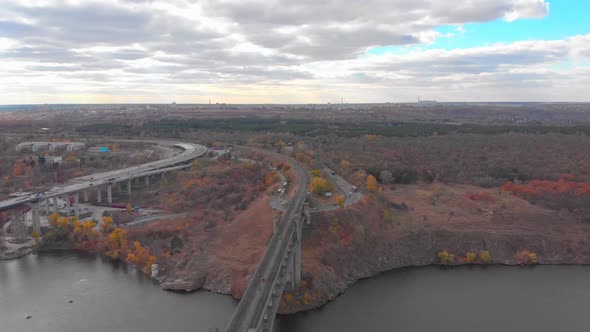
(411, 225)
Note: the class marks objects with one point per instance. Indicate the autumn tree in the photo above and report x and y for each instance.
(371, 183)
(525, 257)
(484, 257)
(106, 223)
(340, 200)
(36, 236)
(319, 186)
(444, 257)
(470, 257)
(117, 243)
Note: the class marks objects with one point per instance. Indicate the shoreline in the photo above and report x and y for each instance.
(318, 305)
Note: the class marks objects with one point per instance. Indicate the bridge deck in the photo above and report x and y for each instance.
(250, 313)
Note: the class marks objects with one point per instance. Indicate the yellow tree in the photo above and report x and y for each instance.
(371, 183)
(340, 200)
(106, 224)
(36, 236)
(117, 242)
(470, 257)
(485, 257)
(445, 257)
(53, 218)
(320, 186)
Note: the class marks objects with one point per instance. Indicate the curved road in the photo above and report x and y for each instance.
(190, 152)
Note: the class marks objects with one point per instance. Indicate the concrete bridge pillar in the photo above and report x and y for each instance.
(110, 193)
(98, 195)
(297, 254)
(36, 217)
(55, 204)
(70, 205)
(147, 180)
(46, 206)
(275, 225)
(77, 204)
(85, 196)
(129, 187)
(307, 213)
(163, 174)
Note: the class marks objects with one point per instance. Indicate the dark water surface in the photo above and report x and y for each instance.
(490, 299)
(106, 297)
(112, 297)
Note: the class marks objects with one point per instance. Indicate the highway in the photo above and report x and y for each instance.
(250, 313)
(190, 152)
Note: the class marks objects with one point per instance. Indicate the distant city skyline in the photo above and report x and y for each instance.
(134, 51)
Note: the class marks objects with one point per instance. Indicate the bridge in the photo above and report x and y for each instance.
(106, 180)
(280, 267)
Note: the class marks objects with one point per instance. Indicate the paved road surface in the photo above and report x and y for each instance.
(191, 151)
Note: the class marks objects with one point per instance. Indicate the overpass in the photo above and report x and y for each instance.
(107, 180)
(280, 267)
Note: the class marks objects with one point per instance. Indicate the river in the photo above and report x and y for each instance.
(113, 297)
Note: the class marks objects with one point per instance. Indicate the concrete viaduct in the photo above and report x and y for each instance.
(280, 267)
(106, 180)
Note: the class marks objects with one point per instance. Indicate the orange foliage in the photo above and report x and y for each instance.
(106, 224)
(270, 179)
(117, 243)
(525, 257)
(371, 183)
(319, 186)
(19, 169)
(340, 200)
(141, 257)
(565, 184)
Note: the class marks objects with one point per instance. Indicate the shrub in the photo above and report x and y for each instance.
(525, 257)
(484, 257)
(444, 257)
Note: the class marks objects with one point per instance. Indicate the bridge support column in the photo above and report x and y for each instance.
(70, 205)
(129, 187)
(85, 196)
(147, 180)
(77, 204)
(163, 174)
(55, 205)
(36, 218)
(307, 213)
(98, 195)
(46, 206)
(296, 260)
(275, 225)
(110, 193)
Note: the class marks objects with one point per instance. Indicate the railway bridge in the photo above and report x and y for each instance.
(279, 268)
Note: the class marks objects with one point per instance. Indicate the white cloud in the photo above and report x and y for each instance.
(278, 51)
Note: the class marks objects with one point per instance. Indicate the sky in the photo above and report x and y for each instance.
(284, 51)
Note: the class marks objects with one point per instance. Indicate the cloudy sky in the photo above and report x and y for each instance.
(306, 51)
